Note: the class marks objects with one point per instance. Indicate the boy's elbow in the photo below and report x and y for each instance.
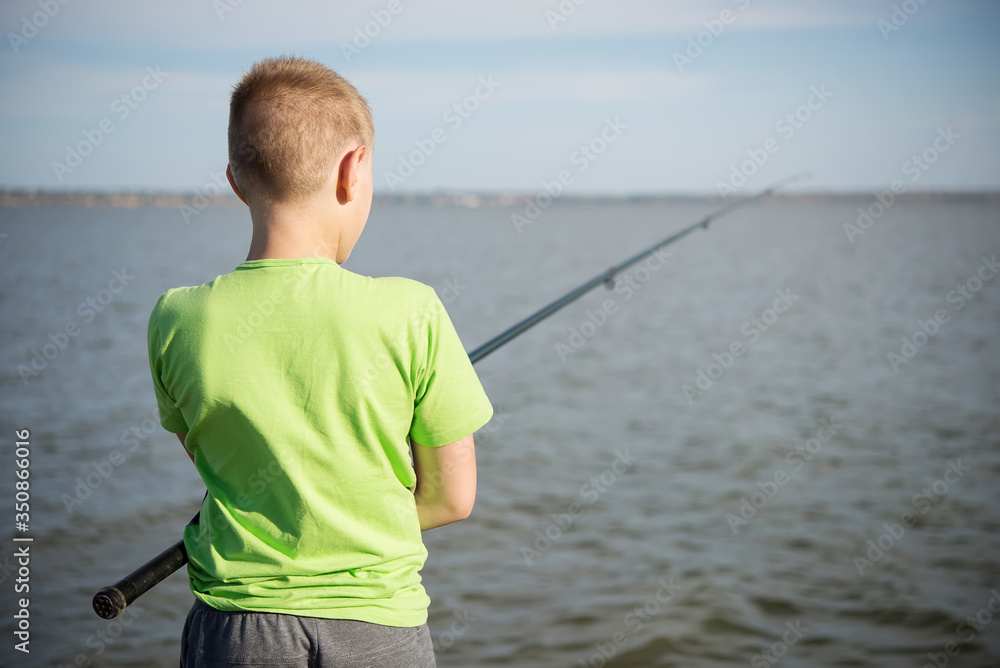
(460, 509)
(464, 511)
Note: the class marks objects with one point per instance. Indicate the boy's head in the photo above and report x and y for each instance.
(294, 127)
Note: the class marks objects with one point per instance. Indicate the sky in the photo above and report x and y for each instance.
(590, 96)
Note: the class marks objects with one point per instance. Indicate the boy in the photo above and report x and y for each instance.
(301, 391)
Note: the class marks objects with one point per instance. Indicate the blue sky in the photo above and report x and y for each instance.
(681, 125)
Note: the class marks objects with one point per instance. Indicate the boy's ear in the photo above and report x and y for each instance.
(348, 174)
(232, 182)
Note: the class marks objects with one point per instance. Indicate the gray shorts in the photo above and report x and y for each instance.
(216, 638)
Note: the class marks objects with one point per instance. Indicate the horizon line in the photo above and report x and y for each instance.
(381, 194)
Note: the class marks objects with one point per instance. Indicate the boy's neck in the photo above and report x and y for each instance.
(291, 234)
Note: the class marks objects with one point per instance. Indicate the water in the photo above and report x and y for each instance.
(646, 567)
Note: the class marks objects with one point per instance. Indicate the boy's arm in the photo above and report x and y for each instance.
(446, 482)
(181, 437)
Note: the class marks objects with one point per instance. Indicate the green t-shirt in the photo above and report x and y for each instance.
(297, 383)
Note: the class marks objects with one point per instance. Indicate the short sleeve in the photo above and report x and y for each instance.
(450, 402)
(170, 416)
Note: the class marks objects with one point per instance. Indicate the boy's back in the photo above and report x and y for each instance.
(298, 384)
(300, 391)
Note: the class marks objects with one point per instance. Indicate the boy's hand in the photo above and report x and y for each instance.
(446, 482)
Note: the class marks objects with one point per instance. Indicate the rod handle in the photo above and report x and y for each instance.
(111, 601)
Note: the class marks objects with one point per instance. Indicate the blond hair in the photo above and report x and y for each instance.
(289, 119)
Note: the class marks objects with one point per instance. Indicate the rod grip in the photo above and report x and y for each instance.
(111, 601)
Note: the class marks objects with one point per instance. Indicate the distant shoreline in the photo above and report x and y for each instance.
(26, 197)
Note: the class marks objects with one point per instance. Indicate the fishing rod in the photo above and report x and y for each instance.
(111, 601)
(607, 277)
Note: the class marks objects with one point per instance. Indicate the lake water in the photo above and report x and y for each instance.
(646, 497)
